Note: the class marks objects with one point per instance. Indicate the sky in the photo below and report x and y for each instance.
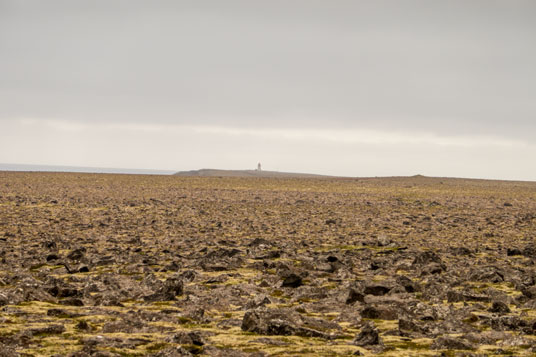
(350, 88)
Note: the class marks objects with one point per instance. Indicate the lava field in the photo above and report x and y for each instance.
(141, 265)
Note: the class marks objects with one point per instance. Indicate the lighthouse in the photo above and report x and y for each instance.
(258, 167)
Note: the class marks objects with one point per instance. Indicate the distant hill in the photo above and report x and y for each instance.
(245, 173)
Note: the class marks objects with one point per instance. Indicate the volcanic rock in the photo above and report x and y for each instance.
(277, 322)
(367, 336)
(377, 289)
(382, 312)
(499, 307)
(188, 338)
(172, 287)
(355, 294)
(451, 343)
(292, 280)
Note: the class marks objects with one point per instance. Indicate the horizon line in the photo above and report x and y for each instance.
(17, 167)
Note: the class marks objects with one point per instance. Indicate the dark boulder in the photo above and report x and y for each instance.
(499, 307)
(368, 336)
(432, 268)
(382, 312)
(509, 323)
(451, 343)
(408, 284)
(377, 289)
(427, 257)
(457, 296)
(354, 295)
(172, 287)
(409, 327)
(513, 251)
(292, 280)
(76, 254)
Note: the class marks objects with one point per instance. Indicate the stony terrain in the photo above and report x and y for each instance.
(125, 265)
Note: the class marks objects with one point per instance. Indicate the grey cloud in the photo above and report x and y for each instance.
(447, 67)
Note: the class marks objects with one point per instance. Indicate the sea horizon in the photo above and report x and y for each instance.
(81, 169)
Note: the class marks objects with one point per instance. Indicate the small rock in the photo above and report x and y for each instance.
(499, 307)
(383, 241)
(49, 330)
(6, 351)
(355, 295)
(379, 312)
(513, 251)
(426, 257)
(277, 322)
(407, 284)
(368, 336)
(451, 343)
(258, 301)
(507, 323)
(189, 338)
(72, 302)
(432, 268)
(83, 325)
(292, 281)
(51, 257)
(377, 289)
(76, 254)
(58, 313)
(407, 326)
(457, 296)
(172, 287)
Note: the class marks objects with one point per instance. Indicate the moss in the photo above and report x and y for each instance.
(504, 352)
(196, 326)
(157, 346)
(410, 345)
(183, 320)
(37, 267)
(330, 286)
(248, 333)
(344, 337)
(251, 350)
(127, 353)
(7, 333)
(50, 346)
(305, 299)
(193, 349)
(162, 303)
(277, 293)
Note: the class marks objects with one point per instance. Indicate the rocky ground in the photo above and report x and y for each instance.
(125, 265)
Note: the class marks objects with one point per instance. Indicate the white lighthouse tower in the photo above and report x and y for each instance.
(258, 167)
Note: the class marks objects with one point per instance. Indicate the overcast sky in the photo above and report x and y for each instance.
(356, 88)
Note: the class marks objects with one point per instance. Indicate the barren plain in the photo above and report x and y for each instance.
(133, 265)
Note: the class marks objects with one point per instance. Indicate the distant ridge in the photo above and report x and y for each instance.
(246, 173)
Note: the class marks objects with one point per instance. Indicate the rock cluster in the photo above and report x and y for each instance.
(104, 265)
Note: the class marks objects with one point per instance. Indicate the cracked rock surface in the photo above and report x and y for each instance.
(133, 265)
